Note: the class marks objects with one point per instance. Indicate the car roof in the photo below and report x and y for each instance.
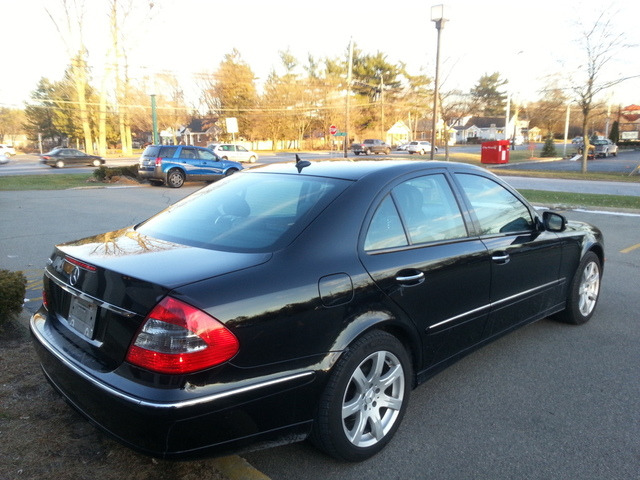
(355, 170)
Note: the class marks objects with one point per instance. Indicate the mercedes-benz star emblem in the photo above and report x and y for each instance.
(75, 276)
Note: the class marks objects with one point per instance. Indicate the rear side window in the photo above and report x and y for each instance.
(167, 152)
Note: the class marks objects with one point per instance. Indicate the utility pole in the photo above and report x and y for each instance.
(348, 110)
(382, 136)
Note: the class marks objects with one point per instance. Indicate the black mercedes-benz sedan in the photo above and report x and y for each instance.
(301, 301)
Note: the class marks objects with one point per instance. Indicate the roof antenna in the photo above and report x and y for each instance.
(300, 164)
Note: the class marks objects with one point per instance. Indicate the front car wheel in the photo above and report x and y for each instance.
(584, 291)
(365, 398)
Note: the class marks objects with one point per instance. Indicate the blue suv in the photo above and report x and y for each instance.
(173, 165)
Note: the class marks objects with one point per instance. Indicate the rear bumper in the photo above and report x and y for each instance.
(182, 420)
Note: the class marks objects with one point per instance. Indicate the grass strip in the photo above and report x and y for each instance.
(58, 181)
(567, 199)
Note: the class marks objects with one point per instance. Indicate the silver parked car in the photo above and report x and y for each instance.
(233, 151)
(420, 147)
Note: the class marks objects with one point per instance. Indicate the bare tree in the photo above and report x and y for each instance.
(70, 29)
(601, 45)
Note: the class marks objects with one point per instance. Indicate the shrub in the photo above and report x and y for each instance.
(104, 174)
(549, 149)
(13, 286)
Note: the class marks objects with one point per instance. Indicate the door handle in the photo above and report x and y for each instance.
(411, 280)
(503, 259)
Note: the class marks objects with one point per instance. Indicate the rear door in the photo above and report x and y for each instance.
(418, 251)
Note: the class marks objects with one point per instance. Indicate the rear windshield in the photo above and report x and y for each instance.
(156, 151)
(256, 212)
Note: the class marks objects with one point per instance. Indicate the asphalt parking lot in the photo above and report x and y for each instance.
(548, 401)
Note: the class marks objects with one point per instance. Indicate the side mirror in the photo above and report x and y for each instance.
(554, 222)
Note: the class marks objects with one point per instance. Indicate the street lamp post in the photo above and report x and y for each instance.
(437, 16)
(154, 119)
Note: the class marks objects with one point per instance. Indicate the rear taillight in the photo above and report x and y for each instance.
(45, 299)
(177, 338)
(159, 162)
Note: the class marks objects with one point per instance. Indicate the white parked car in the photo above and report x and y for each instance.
(420, 147)
(3, 159)
(7, 150)
(233, 151)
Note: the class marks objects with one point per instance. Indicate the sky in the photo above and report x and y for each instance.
(525, 42)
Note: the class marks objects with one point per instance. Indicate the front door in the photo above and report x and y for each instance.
(525, 259)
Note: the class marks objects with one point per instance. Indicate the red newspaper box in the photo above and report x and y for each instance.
(495, 152)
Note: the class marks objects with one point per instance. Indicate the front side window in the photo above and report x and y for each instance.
(206, 155)
(496, 208)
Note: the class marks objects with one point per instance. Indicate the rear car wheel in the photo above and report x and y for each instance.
(97, 163)
(175, 178)
(252, 159)
(365, 398)
(59, 164)
(584, 291)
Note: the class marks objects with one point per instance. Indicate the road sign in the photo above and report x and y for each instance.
(333, 129)
(340, 134)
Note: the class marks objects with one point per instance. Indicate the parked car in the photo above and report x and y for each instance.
(403, 147)
(61, 157)
(604, 148)
(369, 146)
(232, 151)
(4, 159)
(600, 148)
(173, 165)
(420, 147)
(7, 150)
(301, 299)
(577, 140)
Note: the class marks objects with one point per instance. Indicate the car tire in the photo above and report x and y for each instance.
(387, 151)
(175, 178)
(367, 151)
(252, 159)
(365, 398)
(422, 152)
(231, 171)
(97, 163)
(584, 291)
(225, 158)
(59, 164)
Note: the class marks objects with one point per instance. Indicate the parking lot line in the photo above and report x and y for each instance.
(631, 248)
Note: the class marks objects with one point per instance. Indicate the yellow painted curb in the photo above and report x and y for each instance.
(237, 468)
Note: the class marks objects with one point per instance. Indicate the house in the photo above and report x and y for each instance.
(629, 123)
(398, 134)
(200, 131)
(479, 129)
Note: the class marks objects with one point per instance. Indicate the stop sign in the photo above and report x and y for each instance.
(333, 129)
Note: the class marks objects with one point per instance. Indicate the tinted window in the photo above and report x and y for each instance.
(189, 153)
(429, 209)
(497, 209)
(252, 212)
(423, 208)
(385, 230)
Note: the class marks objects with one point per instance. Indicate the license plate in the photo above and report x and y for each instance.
(82, 316)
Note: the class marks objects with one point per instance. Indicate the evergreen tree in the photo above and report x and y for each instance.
(549, 149)
(614, 135)
(487, 95)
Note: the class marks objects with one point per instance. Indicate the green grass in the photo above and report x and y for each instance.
(60, 181)
(582, 199)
